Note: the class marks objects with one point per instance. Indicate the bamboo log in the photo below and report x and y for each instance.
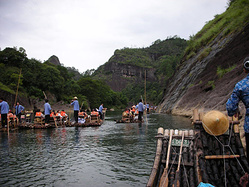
(186, 133)
(180, 132)
(176, 132)
(164, 178)
(166, 132)
(236, 128)
(195, 115)
(191, 133)
(156, 161)
(221, 156)
(201, 115)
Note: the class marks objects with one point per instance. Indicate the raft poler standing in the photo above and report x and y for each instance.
(47, 109)
(141, 108)
(241, 92)
(18, 110)
(4, 111)
(76, 108)
(101, 111)
(148, 107)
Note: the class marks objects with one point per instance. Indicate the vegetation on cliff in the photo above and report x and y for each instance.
(212, 63)
(233, 20)
(58, 80)
(163, 56)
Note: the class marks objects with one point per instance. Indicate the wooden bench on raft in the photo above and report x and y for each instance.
(94, 118)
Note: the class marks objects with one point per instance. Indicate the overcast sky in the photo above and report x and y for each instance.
(85, 33)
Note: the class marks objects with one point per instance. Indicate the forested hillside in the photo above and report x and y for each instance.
(212, 63)
(126, 69)
(53, 79)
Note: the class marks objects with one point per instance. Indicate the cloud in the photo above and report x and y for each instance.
(85, 33)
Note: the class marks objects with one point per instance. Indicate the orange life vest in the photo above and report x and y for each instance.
(81, 113)
(10, 115)
(94, 113)
(38, 114)
(63, 113)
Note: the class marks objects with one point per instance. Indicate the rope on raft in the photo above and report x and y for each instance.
(223, 150)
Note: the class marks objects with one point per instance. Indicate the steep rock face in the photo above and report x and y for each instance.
(54, 60)
(196, 83)
(122, 74)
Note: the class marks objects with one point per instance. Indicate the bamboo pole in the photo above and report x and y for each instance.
(154, 171)
(145, 86)
(201, 116)
(145, 97)
(18, 83)
(164, 178)
(195, 115)
(221, 156)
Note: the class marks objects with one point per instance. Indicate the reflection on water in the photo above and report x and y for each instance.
(109, 155)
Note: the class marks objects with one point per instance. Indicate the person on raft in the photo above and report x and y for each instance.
(18, 111)
(241, 93)
(101, 111)
(76, 108)
(4, 111)
(47, 109)
(141, 108)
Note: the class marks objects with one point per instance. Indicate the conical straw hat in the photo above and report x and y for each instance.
(215, 123)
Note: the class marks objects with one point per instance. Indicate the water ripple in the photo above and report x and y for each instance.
(110, 155)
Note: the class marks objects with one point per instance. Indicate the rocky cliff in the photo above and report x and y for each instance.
(123, 74)
(197, 84)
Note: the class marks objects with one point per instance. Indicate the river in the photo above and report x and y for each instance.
(114, 154)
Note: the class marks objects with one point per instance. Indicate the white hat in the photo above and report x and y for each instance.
(75, 98)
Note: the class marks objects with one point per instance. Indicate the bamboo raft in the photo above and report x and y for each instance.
(191, 157)
(91, 121)
(55, 122)
(128, 118)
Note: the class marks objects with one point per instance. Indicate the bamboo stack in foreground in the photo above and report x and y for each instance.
(201, 157)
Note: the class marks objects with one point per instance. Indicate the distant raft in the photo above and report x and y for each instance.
(194, 157)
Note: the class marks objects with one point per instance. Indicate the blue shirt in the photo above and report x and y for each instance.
(240, 93)
(4, 107)
(47, 109)
(75, 104)
(140, 107)
(100, 108)
(19, 108)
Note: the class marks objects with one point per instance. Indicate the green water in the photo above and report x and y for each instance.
(114, 154)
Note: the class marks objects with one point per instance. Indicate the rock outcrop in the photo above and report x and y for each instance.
(196, 83)
(122, 74)
(54, 60)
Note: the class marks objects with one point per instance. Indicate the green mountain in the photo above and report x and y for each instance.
(212, 64)
(126, 69)
(31, 80)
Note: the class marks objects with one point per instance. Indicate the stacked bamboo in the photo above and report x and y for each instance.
(222, 160)
(217, 160)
